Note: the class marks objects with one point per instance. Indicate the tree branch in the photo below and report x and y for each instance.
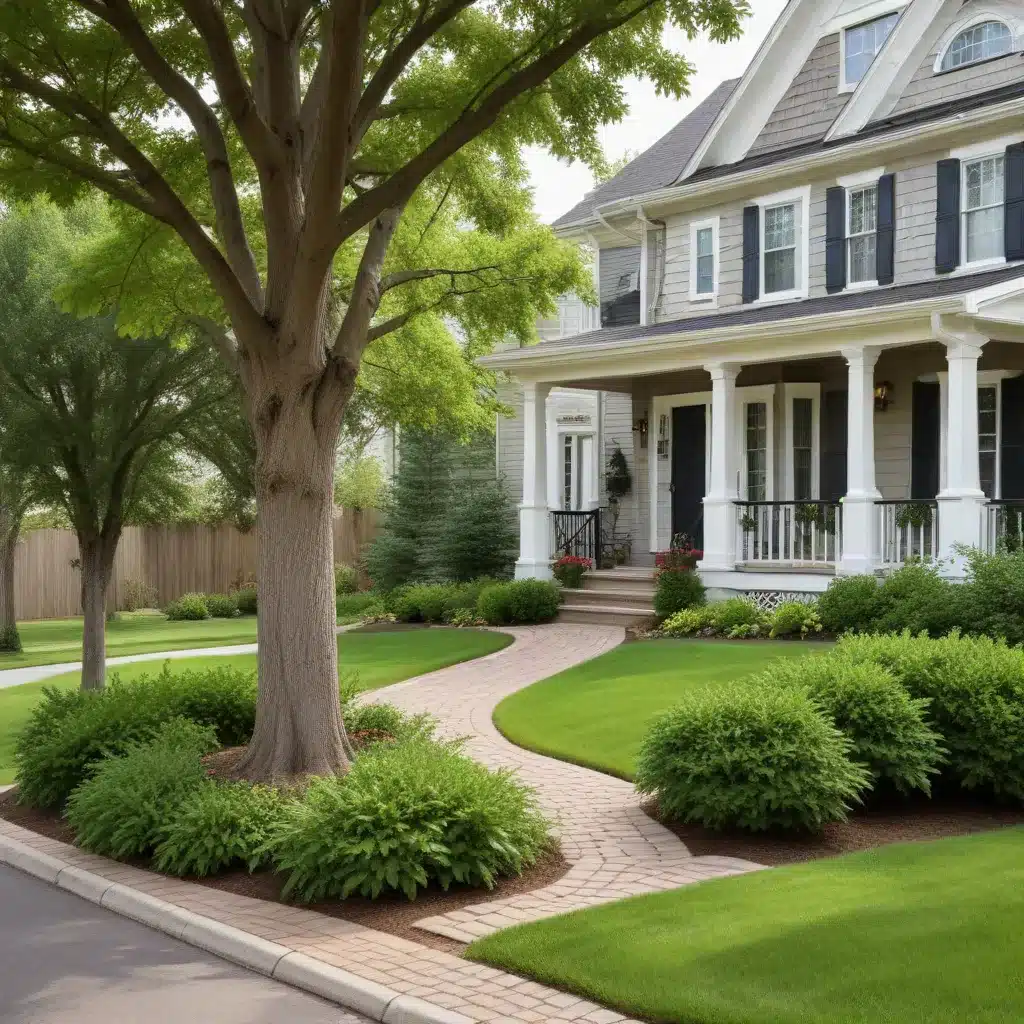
(406, 276)
(221, 339)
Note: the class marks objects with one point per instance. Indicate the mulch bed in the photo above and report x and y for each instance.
(916, 821)
(391, 913)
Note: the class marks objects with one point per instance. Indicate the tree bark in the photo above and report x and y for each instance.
(97, 558)
(10, 640)
(299, 731)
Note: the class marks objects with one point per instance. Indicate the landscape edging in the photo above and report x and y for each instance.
(338, 986)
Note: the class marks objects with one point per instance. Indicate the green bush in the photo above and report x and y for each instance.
(849, 604)
(360, 717)
(887, 727)
(352, 607)
(690, 621)
(10, 640)
(346, 580)
(976, 689)
(993, 596)
(191, 607)
(68, 732)
(245, 599)
(407, 815)
(749, 757)
(795, 618)
(478, 535)
(677, 589)
(737, 615)
(217, 826)
(917, 598)
(221, 606)
(523, 602)
(391, 561)
(423, 602)
(120, 809)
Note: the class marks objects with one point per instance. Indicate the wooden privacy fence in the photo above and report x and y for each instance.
(174, 560)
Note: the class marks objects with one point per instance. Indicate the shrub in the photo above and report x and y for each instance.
(477, 535)
(352, 607)
(677, 589)
(406, 816)
(391, 561)
(464, 598)
(850, 603)
(917, 598)
(384, 719)
(976, 689)
(245, 599)
(523, 602)
(750, 757)
(886, 726)
(737, 616)
(136, 594)
(10, 640)
(569, 570)
(120, 809)
(795, 618)
(216, 826)
(191, 607)
(993, 596)
(346, 580)
(690, 621)
(423, 602)
(222, 606)
(67, 732)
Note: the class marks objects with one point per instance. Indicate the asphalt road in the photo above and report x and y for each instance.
(66, 961)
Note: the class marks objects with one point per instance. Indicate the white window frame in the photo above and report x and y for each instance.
(855, 183)
(972, 156)
(714, 224)
(865, 16)
(800, 197)
(813, 392)
(1012, 20)
(763, 394)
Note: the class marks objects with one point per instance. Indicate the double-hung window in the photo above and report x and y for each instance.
(757, 451)
(988, 438)
(704, 260)
(861, 44)
(862, 234)
(983, 212)
(781, 248)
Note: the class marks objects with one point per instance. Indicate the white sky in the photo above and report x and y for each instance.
(558, 186)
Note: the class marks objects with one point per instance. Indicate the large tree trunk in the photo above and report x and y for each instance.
(97, 557)
(10, 640)
(299, 731)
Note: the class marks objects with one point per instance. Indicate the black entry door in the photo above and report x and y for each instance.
(689, 471)
(925, 440)
(834, 434)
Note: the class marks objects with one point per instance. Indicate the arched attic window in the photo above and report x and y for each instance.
(976, 43)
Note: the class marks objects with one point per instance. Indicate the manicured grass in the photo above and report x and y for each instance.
(378, 658)
(596, 714)
(51, 641)
(925, 933)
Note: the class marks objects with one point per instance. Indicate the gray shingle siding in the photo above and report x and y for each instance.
(811, 103)
(927, 88)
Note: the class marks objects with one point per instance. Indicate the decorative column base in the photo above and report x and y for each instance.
(961, 520)
(719, 534)
(534, 543)
(860, 534)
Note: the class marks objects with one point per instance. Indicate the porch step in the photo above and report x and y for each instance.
(613, 597)
(603, 615)
(624, 579)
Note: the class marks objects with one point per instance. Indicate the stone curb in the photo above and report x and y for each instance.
(347, 990)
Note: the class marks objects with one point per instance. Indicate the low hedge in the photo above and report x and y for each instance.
(754, 757)
(221, 606)
(245, 598)
(519, 603)
(188, 607)
(740, 617)
(69, 732)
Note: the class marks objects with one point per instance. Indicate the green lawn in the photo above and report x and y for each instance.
(597, 713)
(379, 659)
(51, 641)
(927, 933)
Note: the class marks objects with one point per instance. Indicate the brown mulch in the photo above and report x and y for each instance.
(867, 829)
(391, 913)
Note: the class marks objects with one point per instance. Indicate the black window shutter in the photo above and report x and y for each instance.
(835, 239)
(924, 445)
(1012, 441)
(947, 217)
(1015, 202)
(834, 433)
(886, 238)
(751, 254)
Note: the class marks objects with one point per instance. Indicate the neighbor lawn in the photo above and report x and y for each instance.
(596, 714)
(925, 933)
(378, 658)
(51, 641)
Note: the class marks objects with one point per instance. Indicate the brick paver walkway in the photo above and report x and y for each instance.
(614, 848)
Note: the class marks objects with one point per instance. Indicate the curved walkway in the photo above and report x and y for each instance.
(614, 848)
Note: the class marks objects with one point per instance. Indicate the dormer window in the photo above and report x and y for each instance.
(977, 43)
(861, 44)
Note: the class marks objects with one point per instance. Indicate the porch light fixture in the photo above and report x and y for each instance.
(641, 427)
(883, 393)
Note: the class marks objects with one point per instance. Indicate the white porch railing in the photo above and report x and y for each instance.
(789, 533)
(908, 530)
(1004, 526)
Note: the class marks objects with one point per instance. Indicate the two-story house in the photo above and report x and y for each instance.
(812, 296)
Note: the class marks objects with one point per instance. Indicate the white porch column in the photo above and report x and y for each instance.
(534, 526)
(961, 500)
(860, 515)
(720, 503)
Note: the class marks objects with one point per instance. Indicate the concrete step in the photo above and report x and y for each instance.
(604, 615)
(633, 597)
(620, 580)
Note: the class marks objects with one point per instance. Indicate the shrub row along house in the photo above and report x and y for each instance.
(812, 309)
